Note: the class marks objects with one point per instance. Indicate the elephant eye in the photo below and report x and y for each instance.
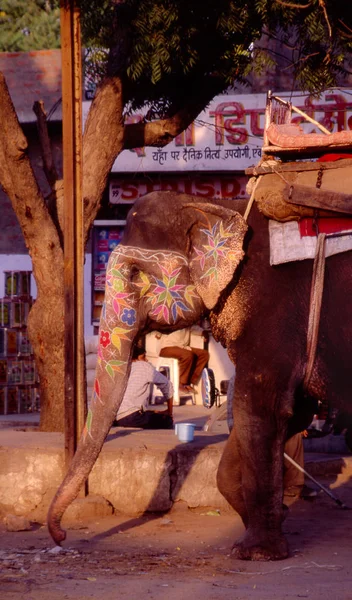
(134, 273)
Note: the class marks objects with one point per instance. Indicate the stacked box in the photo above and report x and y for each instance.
(14, 372)
(18, 284)
(8, 342)
(24, 345)
(25, 396)
(3, 371)
(12, 400)
(3, 400)
(19, 382)
(5, 312)
(29, 372)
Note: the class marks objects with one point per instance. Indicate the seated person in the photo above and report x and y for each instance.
(191, 360)
(293, 478)
(133, 411)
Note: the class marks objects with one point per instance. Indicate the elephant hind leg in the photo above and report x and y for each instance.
(229, 478)
(256, 545)
(260, 540)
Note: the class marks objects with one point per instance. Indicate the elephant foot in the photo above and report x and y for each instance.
(266, 546)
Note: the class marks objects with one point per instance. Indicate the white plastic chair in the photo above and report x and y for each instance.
(171, 364)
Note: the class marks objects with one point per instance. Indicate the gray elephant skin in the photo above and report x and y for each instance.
(182, 258)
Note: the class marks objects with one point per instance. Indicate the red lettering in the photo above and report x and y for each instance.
(129, 192)
(339, 109)
(151, 187)
(207, 190)
(169, 185)
(230, 188)
(190, 139)
(238, 135)
(180, 185)
(227, 109)
(255, 122)
(180, 139)
(186, 137)
(188, 187)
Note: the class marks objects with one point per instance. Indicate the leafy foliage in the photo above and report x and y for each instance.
(177, 48)
(316, 37)
(29, 25)
(167, 51)
(174, 49)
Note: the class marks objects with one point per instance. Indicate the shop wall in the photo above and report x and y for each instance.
(11, 238)
(23, 262)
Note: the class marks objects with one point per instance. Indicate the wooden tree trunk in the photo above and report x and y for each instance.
(46, 317)
(103, 140)
(46, 332)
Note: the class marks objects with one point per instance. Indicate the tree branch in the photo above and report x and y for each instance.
(102, 143)
(323, 7)
(45, 145)
(161, 132)
(344, 33)
(55, 200)
(19, 183)
(293, 5)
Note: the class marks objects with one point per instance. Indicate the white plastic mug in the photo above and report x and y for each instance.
(185, 431)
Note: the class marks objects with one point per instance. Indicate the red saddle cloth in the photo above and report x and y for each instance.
(308, 226)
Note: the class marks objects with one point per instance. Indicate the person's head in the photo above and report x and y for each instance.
(138, 353)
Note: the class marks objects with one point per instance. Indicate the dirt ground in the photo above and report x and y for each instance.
(183, 554)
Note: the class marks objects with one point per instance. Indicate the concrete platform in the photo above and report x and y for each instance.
(137, 470)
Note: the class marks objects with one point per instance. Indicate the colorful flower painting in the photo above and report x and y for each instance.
(169, 299)
(129, 316)
(215, 248)
(166, 297)
(104, 339)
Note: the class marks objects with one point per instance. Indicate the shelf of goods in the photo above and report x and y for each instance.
(19, 384)
(106, 236)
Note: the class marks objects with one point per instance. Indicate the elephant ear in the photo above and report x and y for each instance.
(216, 249)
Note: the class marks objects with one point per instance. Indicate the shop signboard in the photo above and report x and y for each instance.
(125, 190)
(228, 135)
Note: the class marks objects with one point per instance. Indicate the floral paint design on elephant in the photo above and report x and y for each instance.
(116, 325)
(168, 298)
(217, 246)
(159, 281)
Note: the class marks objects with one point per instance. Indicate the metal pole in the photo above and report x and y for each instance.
(73, 224)
(330, 494)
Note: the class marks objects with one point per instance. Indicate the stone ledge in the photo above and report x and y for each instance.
(137, 471)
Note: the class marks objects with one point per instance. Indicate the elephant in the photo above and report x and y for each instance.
(183, 258)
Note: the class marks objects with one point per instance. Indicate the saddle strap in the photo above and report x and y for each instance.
(316, 295)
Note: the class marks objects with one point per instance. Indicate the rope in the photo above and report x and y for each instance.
(316, 295)
(269, 165)
(251, 200)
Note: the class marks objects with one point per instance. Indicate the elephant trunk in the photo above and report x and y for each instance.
(99, 420)
(140, 285)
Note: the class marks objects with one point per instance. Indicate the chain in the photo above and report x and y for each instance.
(319, 178)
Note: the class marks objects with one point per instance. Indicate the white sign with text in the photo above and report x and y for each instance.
(228, 135)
